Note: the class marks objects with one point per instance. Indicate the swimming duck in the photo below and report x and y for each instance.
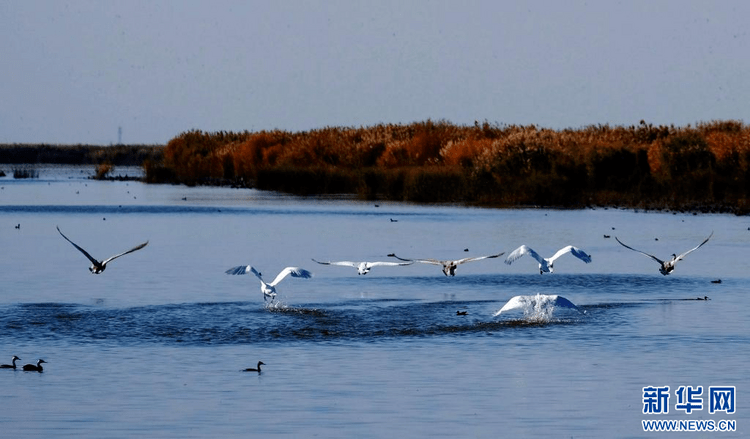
(10, 366)
(33, 368)
(251, 369)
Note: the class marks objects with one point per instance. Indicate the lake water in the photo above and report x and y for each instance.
(154, 345)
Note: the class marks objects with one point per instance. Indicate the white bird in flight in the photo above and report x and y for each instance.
(538, 303)
(99, 266)
(546, 265)
(269, 289)
(364, 267)
(449, 267)
(666, 267)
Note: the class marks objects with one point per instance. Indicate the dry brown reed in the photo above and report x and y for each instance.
(504, 165)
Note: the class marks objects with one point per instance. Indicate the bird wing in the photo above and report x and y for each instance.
(137, 247)
(643, 253)
(514, 303)
(291, 271)
(341, 263)
(523, 302)
(476, 258)
(575, 251)
(85, 253)
(423, 261)
(522, 250)
(244, 269)
(694, 248)
(388, 264)
(562, 302)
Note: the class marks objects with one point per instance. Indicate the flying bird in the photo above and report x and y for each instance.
(10, 366)
(546, 265)
(666, 267)
(269, 289)
(34, 368)
(99, 266)
(449, 267)
(364, 267)
(252, 369)
(537, 304)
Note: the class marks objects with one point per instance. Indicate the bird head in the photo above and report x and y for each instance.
(96, 269)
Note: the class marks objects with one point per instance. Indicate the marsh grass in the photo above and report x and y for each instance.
(706, 166)
(20, 173)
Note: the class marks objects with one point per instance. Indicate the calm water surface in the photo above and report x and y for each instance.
(154, 346)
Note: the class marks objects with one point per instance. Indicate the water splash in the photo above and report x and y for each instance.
(538, 308)
(275, 305)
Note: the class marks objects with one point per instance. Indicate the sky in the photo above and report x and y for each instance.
(80, 71)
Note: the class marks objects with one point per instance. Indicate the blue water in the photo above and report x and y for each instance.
(154, 346)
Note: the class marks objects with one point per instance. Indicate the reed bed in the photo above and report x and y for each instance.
(703, 167)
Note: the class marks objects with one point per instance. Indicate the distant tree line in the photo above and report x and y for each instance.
(116, 155)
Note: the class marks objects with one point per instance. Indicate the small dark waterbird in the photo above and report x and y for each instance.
(34, 368)
(10, 366)
(253, 369)
(99, 266)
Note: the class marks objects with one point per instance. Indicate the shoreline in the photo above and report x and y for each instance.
(650, 207)
(703, 168)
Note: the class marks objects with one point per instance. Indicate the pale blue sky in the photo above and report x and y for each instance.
(75, 71)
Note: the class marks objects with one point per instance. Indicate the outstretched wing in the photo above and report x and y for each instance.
(388, 264)
(423, 261)
(575, 251)
(341, 263)
(694, 249)
(522, 250)
(137, 247)
(85, 253)
(514, 303)
(562, 302)
(244, 269)
(476, 258)
(523, 302)
(291, 271)
(644, 253)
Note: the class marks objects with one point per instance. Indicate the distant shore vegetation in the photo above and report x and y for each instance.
(114, 155)
(104, 158)
(703, 167)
